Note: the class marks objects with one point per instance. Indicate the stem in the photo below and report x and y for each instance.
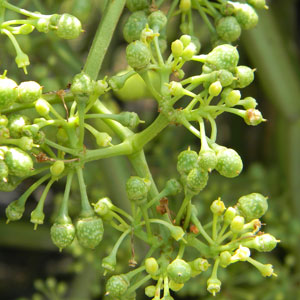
(201, 229)
(62, 148)
(122, 212)
(138, 284)
(86, 209)
(186, 201)
(80, 111)
(103, 37)
(214, 226)
(21, 10)
(204, 17)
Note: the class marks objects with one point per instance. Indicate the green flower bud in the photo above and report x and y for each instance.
(134, 5)
(253, 206)
(9, 184)
(37, 217)
(150, 291)
(82, 84)
(103, 206)
(173, 187)
(199, 265)
(233, 98)
(22, 60)
(179, 271)
(57, 168)
(213, 285)
(245, 76)
(8, 92)
(103, 139)
(262, 243)
(237, 224)
(138, 55)
(3, 170)
(189, 51)
(177, 48)
(225, 77)
(16, 124)
(174, 286)
(253, 117)
(229, 163)
(62, 136)
(43, 25)
(134, 26)
(14, 211)
(42, 107)
(249, 102)
(137, 188)
(197, 180)
(229, 215)
(242, 254)
(246, 15)
(177, 232)
(26, 143)
(207, 159)
(29, 91)
(157, 20)
(19, 162)
(109, 262)
(225, 259)
(215, 88)
(68, 27)
(265, 270)
(258, 4)
(117, 285)
(89, 231)
(229, 29)
(185, 39)
(217, 207)
(176, 88)
(222, 57)
(129, 119)
(186, 161)
(151, 265)
(227, 9)
(185, 5)
(62, 234)
(3, 118)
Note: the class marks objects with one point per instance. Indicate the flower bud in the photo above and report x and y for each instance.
(207, 159)
(42, 107)
(215, 88)
(177, 48)
(173, 187)
(179, 271)
(8, 92)
(229, 215)
(138, 55)
(246, 15)
(82, 84)
(157, 20)
(253, 117)
(150, 291)
(103, 206)
(62, 234)
(14, 211)
(137, 188)
(117, 285)
(245, 76)
(68, 27)
(185, 5)
(186, 161)
(213, 285)
(229, 29)
(242, 253)
(57, 168)
(29, 91)
(151, 265)
(174, 286)
(237, 224)
(217, 207)
(262, 243)
(185, 39)
(197, 180)
(176, 88)
(233, 98)
(134, 25)
(225, 259)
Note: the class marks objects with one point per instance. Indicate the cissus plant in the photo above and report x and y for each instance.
(194, 101)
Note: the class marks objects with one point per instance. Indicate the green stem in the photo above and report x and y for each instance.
(214, 226)
(21, 10)
(147, 223)
(138, 284)
(86, 209)
(103, 37)
(204, 17)
(186, 201)
(201, 229)
(122, 212)
(80, 110)
(60, 147)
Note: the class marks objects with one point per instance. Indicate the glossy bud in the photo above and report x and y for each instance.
(68, 27)
(179, 271)
(29, 91)
(8, 92)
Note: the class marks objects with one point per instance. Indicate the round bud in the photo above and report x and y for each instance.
(150, 291)
(246, 16)
(196, 42)
(68, 27)
(186, 161)
(223, 57)
(16, 124)
(229, 215)
(8, 92)
(57, 168)
(18, 162)
(249, 102)
(253, 117)
(185, 5)
(207, 159)
(215, 88)
(137, 188)
(82, 84)
(157, 20)
(258, 4)
(134, 5)
(197, 180)
(103, 139)
(179, 271)
(245, 76)
(177, 48)
(174, 286)
(176, 88)
(62, 136)
(62, 235)
(227, 9)
(89, 231)
(43, 25)
(225, 259)
(29, 91)
(103, 206)
(173, 187)
(233, 98)
(253, 206)
(134, 25)
(225, 77)
(109, 262)
(151, 265)
(217, 207)
(129, 119)
(26, 143)
(229, 29)
(189, 51)
(185, 39)
(42, 107)
(199, 265)
(262, 243)
(237, 224)
(138, 55)
(229, 163)
(3, 170)
(14, 211)
(117, 285)
(213, 285)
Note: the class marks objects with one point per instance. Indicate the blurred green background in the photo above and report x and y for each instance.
(29, 261)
